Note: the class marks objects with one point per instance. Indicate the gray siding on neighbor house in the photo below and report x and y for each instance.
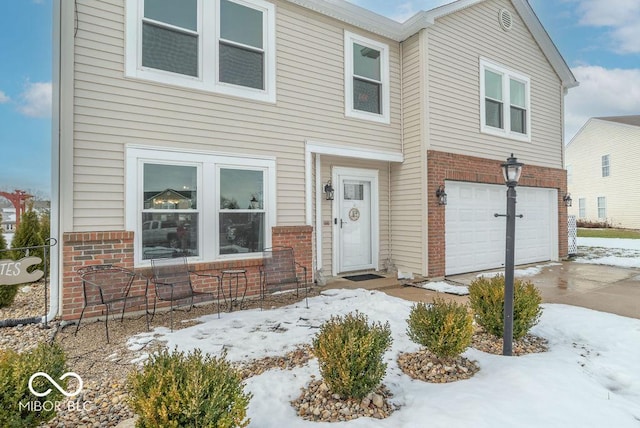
(407, 190)
(111, 111)
(455, 45)
(622, 187)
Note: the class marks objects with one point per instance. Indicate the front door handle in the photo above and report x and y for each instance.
(341, 223)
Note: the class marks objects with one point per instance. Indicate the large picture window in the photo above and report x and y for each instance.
(366, 78)
(202, 206)
(505, 102)
(225, 46)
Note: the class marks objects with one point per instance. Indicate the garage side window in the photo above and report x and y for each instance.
(170, 215)
(242, 212)
(504, 102)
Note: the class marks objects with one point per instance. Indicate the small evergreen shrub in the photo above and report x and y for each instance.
(486, 296)
(444, 328)
(15, 371)
(8, 294)
(28, 235)
(188, 390)
(350, 352)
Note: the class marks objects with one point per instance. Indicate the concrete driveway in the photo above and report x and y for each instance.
(603, 288)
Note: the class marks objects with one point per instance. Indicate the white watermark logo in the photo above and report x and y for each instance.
(39, 406)
(55, 384)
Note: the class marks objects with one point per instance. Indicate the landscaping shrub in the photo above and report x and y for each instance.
(15, 371)
(350, 352)
(444, 328)
(8, 294)
(486, 296)
(28, 235)
(188, 390)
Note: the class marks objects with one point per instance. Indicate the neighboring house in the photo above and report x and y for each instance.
(604, 183)
(251, 109)
(8, 220)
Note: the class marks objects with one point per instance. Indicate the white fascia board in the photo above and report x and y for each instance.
(352, 152)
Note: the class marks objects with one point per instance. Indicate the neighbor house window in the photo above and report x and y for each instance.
(569, 174)
(225, 46)
(582, 208)
(201, 206)
(366, 78)
(505, 102)
(602, 207)
(605, 166)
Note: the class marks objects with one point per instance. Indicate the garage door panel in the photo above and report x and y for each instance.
(475, 238)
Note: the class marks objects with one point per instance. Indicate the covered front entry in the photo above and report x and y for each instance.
(475, 237)
(355, 219)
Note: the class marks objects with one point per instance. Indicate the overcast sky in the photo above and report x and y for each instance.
(599, 39)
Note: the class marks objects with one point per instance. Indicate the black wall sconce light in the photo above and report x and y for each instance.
(442, 195)
(328, 191)
(567, 199)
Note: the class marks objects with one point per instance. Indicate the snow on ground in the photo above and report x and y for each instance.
(519, 273)
(609, 251)
(445, 287)
(588, 378)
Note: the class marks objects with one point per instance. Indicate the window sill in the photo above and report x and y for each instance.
(369, 117)
(505, 134)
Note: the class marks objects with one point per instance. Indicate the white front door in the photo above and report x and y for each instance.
(355, 220)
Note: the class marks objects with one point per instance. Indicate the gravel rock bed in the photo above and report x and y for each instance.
(317, 403)
(103, 366)
(490, 344)
(425, 366)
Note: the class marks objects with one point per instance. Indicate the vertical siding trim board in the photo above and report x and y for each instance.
(448, 166)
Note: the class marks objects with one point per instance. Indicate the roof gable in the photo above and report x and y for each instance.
(383, 26)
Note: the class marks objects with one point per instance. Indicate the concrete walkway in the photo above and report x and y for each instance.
(602, 288)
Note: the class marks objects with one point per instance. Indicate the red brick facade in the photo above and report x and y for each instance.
(448, 166)
(88, 248)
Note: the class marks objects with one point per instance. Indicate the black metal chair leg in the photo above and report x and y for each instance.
(106, 323)
(80, 320)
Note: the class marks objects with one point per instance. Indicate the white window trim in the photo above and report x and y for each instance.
(208, 164)
(506, 100)
(607, 166)
(582, 207)
(208, 31)
(349, 39)
(602, 207)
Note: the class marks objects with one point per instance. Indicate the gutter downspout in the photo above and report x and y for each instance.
(54, 282)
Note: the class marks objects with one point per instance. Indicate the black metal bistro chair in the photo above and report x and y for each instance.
(281, 273)
(172, 280)
(110, 286)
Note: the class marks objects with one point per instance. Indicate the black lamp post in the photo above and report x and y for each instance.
(511, 171)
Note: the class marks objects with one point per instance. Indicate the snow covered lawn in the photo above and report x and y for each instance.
(588, 378)
(609, 251)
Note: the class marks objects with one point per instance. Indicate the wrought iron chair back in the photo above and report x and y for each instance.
(280, 272)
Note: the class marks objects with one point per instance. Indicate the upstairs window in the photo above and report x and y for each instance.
(224, 46)
(366, 78)
(505, 102)
(605, 166)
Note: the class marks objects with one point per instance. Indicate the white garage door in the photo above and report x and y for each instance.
(475, 238)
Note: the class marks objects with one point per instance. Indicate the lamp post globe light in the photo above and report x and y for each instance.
(511, 171)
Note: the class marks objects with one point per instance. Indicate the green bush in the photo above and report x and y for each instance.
(8, 294)
(486, 296)
(350, 353)
(444, 328)
(15, 371)
(188, 390)
(28, 235)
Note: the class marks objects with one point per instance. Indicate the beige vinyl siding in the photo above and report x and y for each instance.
(622, 187)
(327, 164)
(407, 178)
(111, 111)
(456, 44)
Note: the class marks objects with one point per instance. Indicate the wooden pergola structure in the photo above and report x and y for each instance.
(19, 200)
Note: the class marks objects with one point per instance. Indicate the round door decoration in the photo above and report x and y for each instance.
(354, 214)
